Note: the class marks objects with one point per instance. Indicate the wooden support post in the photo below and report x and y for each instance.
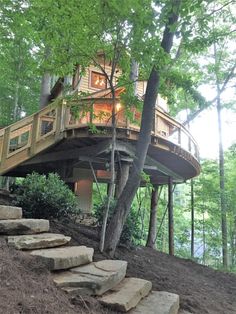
(34, 134)
(152, 232)
(170, 216)
(192, 220)
(84, 190)
(5, 147)
(59, 120)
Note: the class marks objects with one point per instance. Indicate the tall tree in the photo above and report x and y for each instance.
(133, 182)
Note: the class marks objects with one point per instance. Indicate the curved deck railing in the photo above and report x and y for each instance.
(29, 136)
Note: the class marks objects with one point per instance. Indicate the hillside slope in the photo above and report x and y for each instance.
(26, 287)
(202, 290)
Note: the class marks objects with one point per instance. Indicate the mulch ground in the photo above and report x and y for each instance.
(26, 287)
(202, 290)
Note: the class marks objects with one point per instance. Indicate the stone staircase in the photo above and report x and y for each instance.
(75, 272)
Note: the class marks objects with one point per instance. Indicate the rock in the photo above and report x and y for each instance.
(65, 257)
(10, 212)
(93, 279)
(37, 241)
(158, 302)
(127, 294)
(184, 312)
(23, 226)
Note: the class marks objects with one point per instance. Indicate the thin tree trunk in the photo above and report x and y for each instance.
(221, 168)
(123, 174)
(192, 219)
(16, 101)
(171, 216)
(204, 240)
(45, 90)
(134, 72)
(124, 202)
(151, 240)
(112, 182)
(234, 243)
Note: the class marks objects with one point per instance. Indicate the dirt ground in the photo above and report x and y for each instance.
(202, 290)
(27, 287)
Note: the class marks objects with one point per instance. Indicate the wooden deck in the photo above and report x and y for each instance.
(64, 133)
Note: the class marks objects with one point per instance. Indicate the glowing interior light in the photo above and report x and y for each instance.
(98, 80)
(118, 106)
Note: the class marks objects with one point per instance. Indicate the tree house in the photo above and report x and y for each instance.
(73, 138)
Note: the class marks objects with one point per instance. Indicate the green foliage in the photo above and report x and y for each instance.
(131, 230)
(45, 197)
(19, 80)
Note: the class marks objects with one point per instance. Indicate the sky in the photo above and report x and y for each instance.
(205, 131)
(204, 128)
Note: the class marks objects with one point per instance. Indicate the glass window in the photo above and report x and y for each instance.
(98, 80)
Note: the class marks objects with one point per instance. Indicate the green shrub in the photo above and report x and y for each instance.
(45, 197)
(131, 231)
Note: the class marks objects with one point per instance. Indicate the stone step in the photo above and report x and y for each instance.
(23, 226)
(10, 212)
(158, 302)
(64, 257)
(93, 279)
(37, 241)
(127, 294)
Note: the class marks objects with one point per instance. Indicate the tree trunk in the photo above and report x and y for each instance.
(124, 202)
(151, 240)
(204, 239)
(221, 167)
(134, 74)
(112, 168)
(122, 177)
(45, 90)
(222, 191)
(234, 243)
(171, 216)
(192, 220)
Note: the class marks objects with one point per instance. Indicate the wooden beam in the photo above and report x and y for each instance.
(93, 150)
(150, 163)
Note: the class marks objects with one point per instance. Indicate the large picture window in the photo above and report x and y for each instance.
(98, 80)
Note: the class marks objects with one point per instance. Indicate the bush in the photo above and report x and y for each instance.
(131, 231)
(45, 197)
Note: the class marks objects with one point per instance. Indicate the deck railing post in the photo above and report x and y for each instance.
(58, 120)
(189, 144)
(155, 120)
(34, 134)
(5, 146)
(179, 136)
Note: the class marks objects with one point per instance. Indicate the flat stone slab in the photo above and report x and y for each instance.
(23, 226)
(158, 302)
(10, 212)
(64, 257)
(127, 294)
(93, 279)
(37, 241)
